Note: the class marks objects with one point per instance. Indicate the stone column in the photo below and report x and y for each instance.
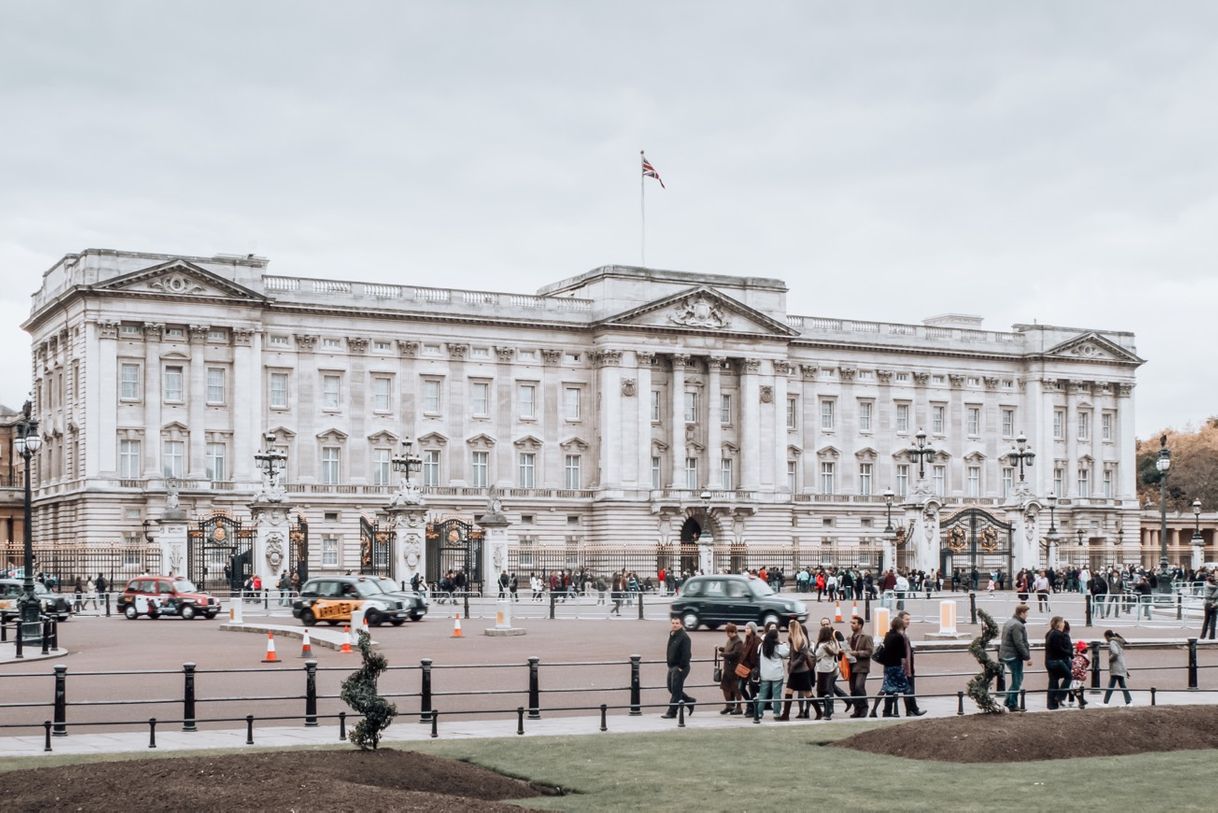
(152, 399)
(750, 425)
(171, 537)
(505, 384)
(271, 524)
(781, 433)
(407, 521)
(810, 421)
(714, 427)
(197, 409)
(494, 545)
(100, 384)
(456, 410)
(643, 360)
(304, 393)
(610, 387)
(1025, 540)
(676, 442)
(247, 421)
(1125, 486)
(923, 544)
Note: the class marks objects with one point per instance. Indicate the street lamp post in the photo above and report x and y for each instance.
(270, 460)
(1051, 537)
(1198, 540)
(1163, 464)
(407, 461)
(27, 444)
(921, 452)
(1021, 454)
(1081, 557)
(888, 495)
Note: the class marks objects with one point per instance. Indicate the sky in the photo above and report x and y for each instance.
(1049, 161)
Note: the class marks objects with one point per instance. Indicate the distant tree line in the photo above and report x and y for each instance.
(1194, 468)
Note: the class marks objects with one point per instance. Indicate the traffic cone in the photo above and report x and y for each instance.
(837, 612)
(854, 607)
(306, 646)
(457, 626)
(345, 649)
(271, 657)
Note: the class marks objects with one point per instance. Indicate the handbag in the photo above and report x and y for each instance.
(717, 672)
(743, 670)
(843, 666)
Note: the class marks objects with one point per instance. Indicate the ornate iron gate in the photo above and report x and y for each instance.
(973, 538)
(375, 548)
(454, 545)
(298, 549)
(219, 553)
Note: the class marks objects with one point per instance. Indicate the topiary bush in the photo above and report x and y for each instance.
(359, 692)
(979, 686)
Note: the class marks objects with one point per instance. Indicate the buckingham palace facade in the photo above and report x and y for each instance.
(621, 407)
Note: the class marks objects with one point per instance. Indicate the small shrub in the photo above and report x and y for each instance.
(979, 686)
(359, 692)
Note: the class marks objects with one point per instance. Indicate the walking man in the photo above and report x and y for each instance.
(1014, 653)
(911, 699)
(859, 654)
(678, 669)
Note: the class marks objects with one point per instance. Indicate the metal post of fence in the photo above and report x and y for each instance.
(635, 686)
(520, 720)
(1152, 695)
(47, 728)
(1192, 664)
(435, 732)
(551, 605)
(342, 726)
(188, 697)
(1023, 699)
(534, 689)
(959, 704)
(604, 712)
(310, 693)
(266, 599)
(46, 637)
(19, 636)
(465, 597)
(61, 700)
(972, 606)
(1179, 607)
(249, 729)
(867, 607)
(681, 714)
(1095, 665)
(640, 605)
(107, 605)
(425, 691)
(3, 633)
(54, 636)
(1087, 609)
(152, 732)
(1002, 679)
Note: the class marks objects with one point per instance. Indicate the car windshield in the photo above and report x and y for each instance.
(184, 586)
(367, 589)
(384, 585)
(40, 590)
(760, 588)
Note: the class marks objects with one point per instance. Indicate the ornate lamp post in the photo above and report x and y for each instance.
(406, 461)
(271, 461)
(1022, 455)
(1198, 540)
(1163, 464)
(888, 495)
(1081, 556)
(1051, 537)
(27, 444)
(921, 452)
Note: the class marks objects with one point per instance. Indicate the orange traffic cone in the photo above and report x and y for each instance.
(457, 626)
(837, 612)
(271, 657)
(306, 646)
(345, 649)
(854, 608)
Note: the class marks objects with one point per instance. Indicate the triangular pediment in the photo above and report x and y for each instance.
(701, 310)
(1092, 346)
(178, 279)
(383, 438)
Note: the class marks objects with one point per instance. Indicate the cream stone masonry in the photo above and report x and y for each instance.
(602, 407)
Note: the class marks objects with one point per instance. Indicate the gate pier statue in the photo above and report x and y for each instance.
(171, 534)
(1024, 515)
(495, 546)
(272, 532)
(405, 512)
(922, 537)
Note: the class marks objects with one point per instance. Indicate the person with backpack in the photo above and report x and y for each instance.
(827, 653)
(770, 664)
(891, 654)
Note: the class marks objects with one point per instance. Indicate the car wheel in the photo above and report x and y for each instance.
(332, 623)
(689, 621)
(210, 616)
(130, 612)
(307, 618)
(187, 612)
(154, 613)
(373, 619)
(711, 626)
(416, 616)
(397, 622)
(768, 619)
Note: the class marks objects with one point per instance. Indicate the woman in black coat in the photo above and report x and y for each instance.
(1058, 652)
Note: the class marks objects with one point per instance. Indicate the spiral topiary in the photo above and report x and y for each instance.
(359, 692)
(979, 686)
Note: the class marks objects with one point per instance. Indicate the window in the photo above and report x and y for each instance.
(215, 385)
(939, 474)
(279, 340)
(974, 481)
(331, 342)
(865, 416)
(330, 465)
(216, 469)
(691, 407)
(725, 408)
(1084, 481)
(1084, 425)
(173, 384)
(1106, 421)
(938, 418)
(1108, 482)
(792, 476)
(1008, 481)
(382, 346)
(524, 355)
(902, 378)
(431, 395)
(129, 382)
(329, 551)
(1059, 424)
(480, 398)
(571, 403)
(792, 412)
(655, 471)
(902, 417)
(902, 479)
(655, 406)
(571, 467)
(526, 472)
(526, 400)
(382, 393)
(827, 414)
(431, 467)
(973, 417)
(725, 474)
(480, 469)
(279, 390)
(865, 470)
(480, 352)
(827, 485)
(1008, 422)
(380, 467)
(331, 386)
(1059, 477)
(129, 459)
(173, 458)
(691, 473)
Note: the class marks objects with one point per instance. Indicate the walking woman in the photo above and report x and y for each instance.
(827, 652)
(896, 667)
(1058, 653)
(1117, 672)
(748, 660)
(799, 672)
(729, 683)
(770, 665)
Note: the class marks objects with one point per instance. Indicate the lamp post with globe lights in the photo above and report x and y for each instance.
(1198, 540)
(1163, 464)
(27, 445)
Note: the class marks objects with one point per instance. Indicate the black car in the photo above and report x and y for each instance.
(715, 600)
(415, 603)
(52, 604)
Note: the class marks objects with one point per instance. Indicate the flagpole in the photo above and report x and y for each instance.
(642, 215)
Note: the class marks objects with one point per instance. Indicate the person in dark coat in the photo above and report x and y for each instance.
(859, 648)
(1058, 654)
(678, 669)
(729, 683)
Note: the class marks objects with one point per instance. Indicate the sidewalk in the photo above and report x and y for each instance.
(407, 728)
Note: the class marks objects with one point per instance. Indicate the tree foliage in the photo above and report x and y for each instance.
(1194, 468)
(359, 692)
(979, 686)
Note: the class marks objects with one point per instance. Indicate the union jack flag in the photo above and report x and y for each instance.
(650, 172)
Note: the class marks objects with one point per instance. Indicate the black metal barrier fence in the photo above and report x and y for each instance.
(428, 694)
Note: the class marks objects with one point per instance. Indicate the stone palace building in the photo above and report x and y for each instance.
(624, 408)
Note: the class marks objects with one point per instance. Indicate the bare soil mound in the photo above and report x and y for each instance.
(384, 780)
(1064, 734)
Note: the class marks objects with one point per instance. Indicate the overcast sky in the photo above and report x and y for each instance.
(891, 161)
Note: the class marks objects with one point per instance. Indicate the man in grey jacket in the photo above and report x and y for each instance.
(1014, 653)
(1211, 605)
